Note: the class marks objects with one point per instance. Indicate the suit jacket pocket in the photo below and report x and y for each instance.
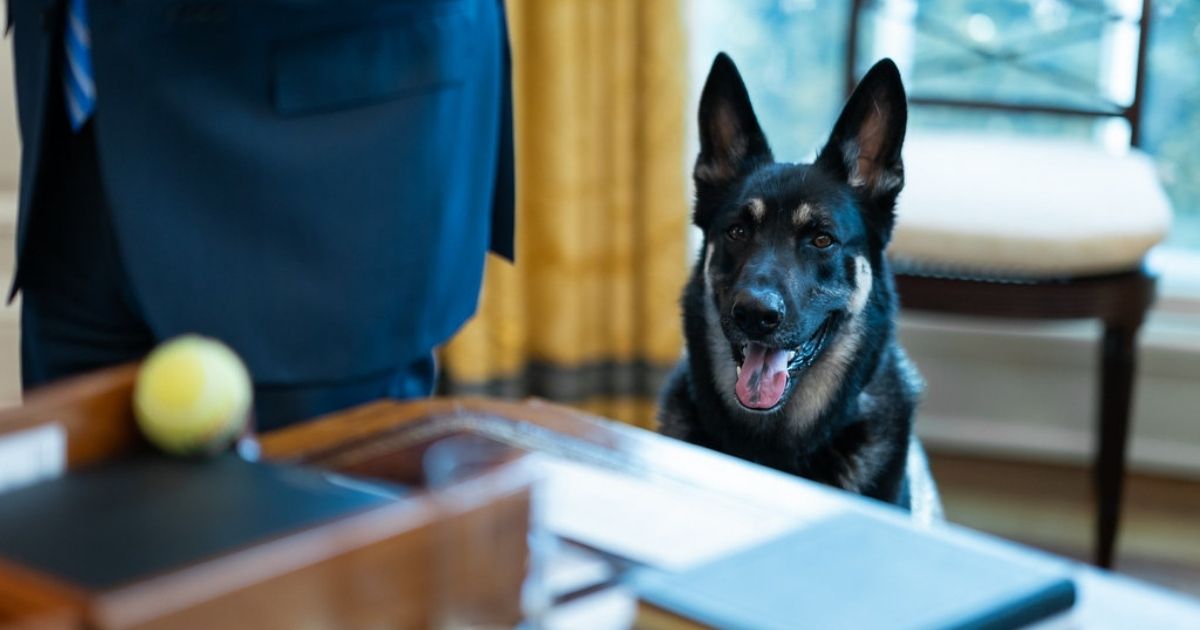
(347, 69)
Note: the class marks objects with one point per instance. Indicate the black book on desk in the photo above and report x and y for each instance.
(128, 520)
(852, 571)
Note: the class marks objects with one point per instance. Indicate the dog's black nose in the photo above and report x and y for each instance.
(757, 312)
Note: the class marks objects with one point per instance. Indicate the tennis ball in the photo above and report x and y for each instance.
(192, 396)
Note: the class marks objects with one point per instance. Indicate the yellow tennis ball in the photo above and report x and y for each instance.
(192, 396)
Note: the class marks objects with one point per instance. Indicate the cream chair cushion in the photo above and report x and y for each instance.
(1010, 206)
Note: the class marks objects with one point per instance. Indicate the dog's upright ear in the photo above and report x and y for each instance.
(864, 148)
(731, 141)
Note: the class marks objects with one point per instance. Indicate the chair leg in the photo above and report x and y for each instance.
(1116, 397)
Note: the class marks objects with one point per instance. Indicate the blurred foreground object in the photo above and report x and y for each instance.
(361, 539)
(118, 536)
(192, 396)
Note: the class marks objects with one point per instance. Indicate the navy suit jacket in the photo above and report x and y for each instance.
(316, 182)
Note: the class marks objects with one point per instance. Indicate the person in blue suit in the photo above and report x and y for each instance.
(314, 182)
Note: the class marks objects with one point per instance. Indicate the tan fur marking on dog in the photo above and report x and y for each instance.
(802, 215)
(758, 209)
(819, 384)
(863, 279)
(723, 366)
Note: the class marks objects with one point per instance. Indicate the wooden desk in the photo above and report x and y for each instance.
(763, 496)
(366, 567)
(390, 549)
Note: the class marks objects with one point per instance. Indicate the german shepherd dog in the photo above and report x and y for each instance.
(792, 360)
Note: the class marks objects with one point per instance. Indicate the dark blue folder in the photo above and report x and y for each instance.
(132, 519)
(853, 571)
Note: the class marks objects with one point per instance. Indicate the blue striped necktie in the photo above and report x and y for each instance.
(77, 77)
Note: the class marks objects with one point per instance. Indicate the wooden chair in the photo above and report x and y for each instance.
(976, 234)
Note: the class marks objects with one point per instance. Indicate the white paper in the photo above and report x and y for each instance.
(657, 523)
(32, 455)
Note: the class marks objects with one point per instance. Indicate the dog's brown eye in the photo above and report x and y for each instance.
(822, 241)
(736, 232)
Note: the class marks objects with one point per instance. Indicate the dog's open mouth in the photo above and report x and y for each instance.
(764, 374)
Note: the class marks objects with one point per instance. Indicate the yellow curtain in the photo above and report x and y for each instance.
(589, 314)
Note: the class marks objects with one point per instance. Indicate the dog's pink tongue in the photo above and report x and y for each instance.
(764, 377)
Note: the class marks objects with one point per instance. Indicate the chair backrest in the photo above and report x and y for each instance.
(1084, 59)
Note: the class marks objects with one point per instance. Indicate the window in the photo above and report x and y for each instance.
(791, 53)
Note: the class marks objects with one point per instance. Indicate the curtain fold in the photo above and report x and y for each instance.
(589, 314)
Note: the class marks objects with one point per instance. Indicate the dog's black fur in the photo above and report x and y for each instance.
(793, 258)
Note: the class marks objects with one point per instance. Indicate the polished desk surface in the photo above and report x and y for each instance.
(667, 471)
(671, 481)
